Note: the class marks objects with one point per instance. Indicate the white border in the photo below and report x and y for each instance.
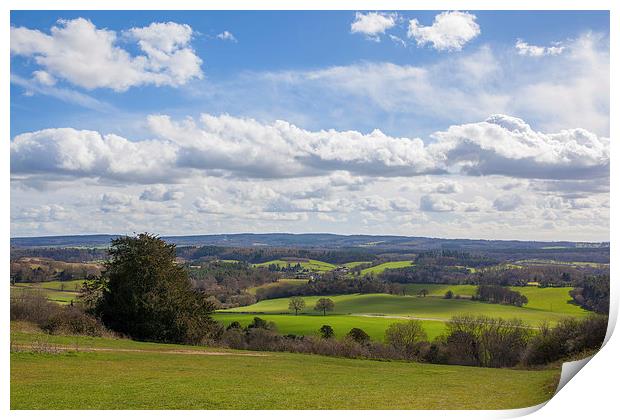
(592, 394)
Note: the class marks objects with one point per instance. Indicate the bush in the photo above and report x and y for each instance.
(484, 341)
(568, 338)
(32, 306)
(73, 321)
(326, 331)
(448, 295)
(358, 335)
(406, 338)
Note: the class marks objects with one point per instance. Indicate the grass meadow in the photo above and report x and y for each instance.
(133, 375)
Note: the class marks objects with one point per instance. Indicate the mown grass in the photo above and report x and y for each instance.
(309, 324)
(431, 307)
(354, 264)
(378, 269)
(312, 265)
(52, 293)
(117, 379)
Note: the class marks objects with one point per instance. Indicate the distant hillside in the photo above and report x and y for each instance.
(309, 240)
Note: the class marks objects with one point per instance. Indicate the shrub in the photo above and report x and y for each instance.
(358, 335)
(448, 295)
(406, 337)
(568, 338)
(32, 306)
(326, 331)
(73, 321)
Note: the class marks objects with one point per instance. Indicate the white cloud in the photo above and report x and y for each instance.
(523, 48)
(208, 205)
(507, 202)
(433, 203)
(226, 36)
(444, 187)
(373, 24)
(161, 193)
(504, 145)
(77, 51)
(43, 78)
(450, 31)
(245, 148)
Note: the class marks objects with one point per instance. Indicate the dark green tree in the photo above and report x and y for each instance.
(359, 335)
(326, 331)
(143, 293)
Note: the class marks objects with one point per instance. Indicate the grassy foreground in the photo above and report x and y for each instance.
(124, 374)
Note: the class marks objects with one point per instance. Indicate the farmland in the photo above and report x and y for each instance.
(61, 292)
(377, 269)
(135, 375)
(374, 326)
(311, 265)
(375, 312)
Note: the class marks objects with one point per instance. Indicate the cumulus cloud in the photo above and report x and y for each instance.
(226, 36)
(373, 24)
(161, 193)
(507, 202)
(208, 205)
(86, 56)
(245, 148)
(433, 203)
(445, 187)
(523, 48)
(505, 145)
(450, 31)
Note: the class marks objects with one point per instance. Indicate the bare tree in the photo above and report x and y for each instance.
(296, 304)
(324, 304)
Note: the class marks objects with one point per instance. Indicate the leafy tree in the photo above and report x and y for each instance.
(448, 295)
(324, 304)
(423, 293)
(359, 335)
(296, 304)
(326, 331)
(143, 293)
(235, 325)
(406, 337)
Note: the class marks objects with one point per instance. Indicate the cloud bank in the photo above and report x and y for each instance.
(245, 148)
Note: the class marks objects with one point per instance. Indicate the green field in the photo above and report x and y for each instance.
(114, 374)
(312, 265)
(378, 269)
(431, 307)
(309, 324)
(440, 289)
(52, 290)
(354, 264)
(252, 290)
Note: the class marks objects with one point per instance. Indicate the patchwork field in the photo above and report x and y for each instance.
(375, 312)
(378, 269)
(133, 375)
(60, 292)
(312, 265)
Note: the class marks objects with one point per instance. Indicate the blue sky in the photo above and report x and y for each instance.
(429, 82)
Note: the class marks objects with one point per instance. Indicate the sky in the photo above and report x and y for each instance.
(456, 124)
